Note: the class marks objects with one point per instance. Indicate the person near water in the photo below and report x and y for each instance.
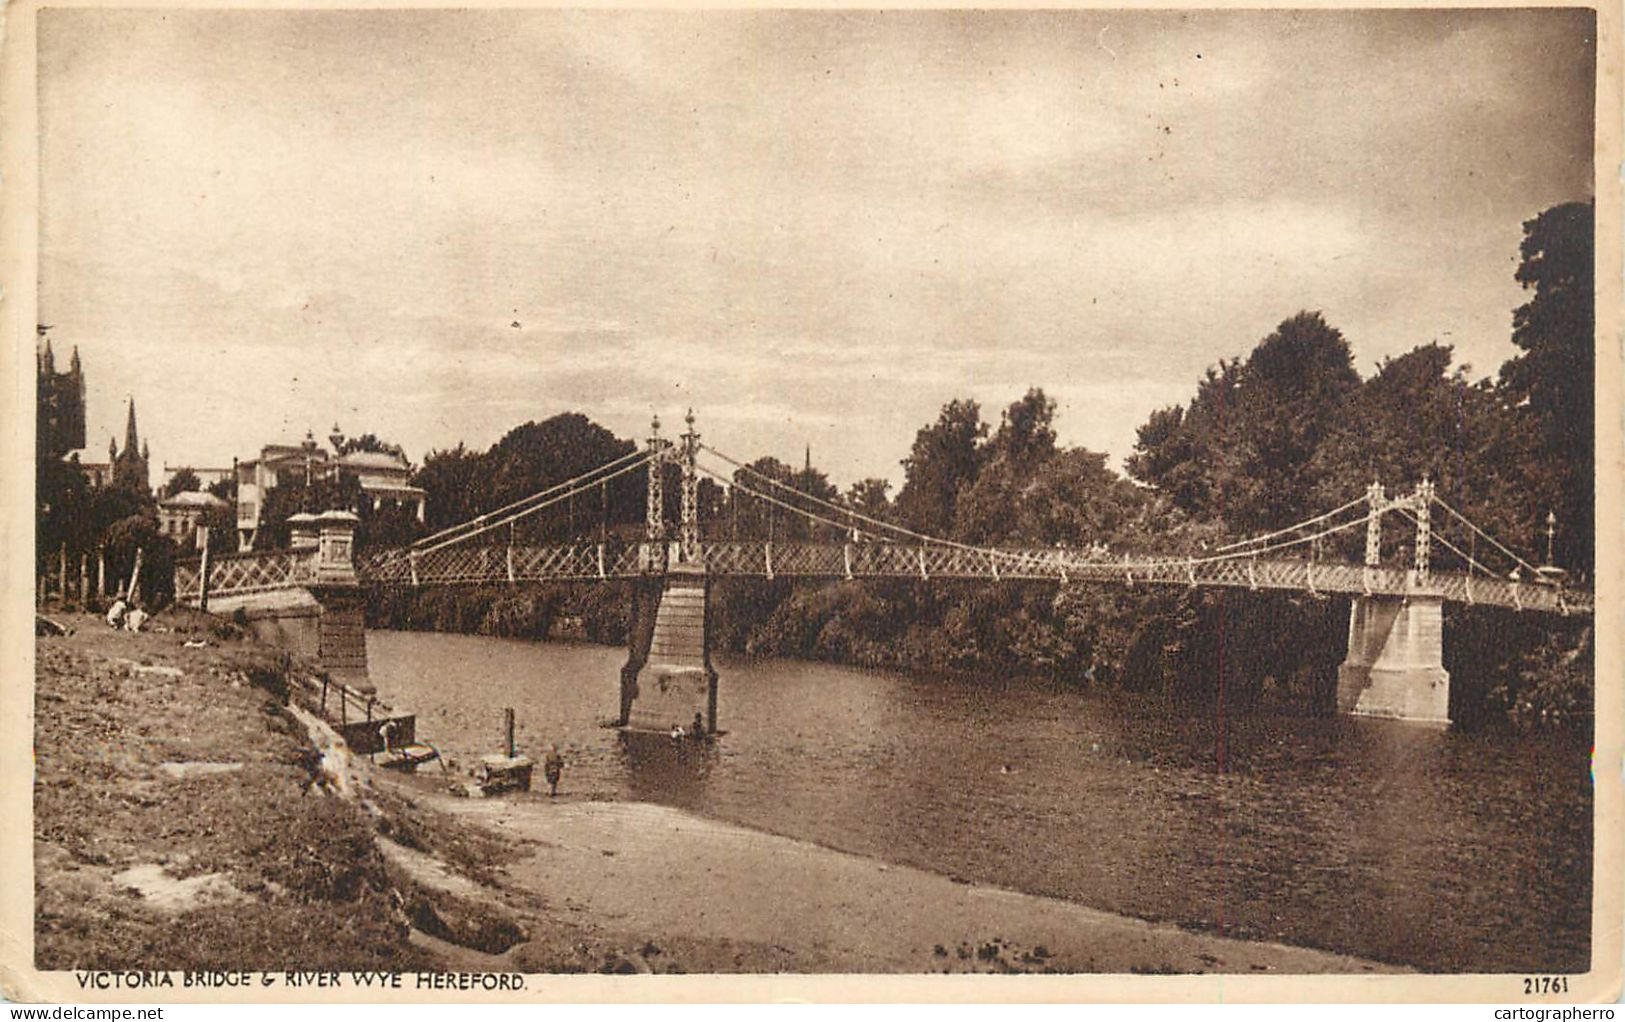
(135, 618)
(387, 733)
(552, 769)
(697, 732)
(115, 613)
(676, 732)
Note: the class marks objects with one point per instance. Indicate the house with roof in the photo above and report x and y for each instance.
(180, 515)
(384, 478)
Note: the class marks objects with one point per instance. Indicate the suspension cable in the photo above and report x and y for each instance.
(995, 552)
(486, 525)
(1451, 546)
(922, 537)
(1239, 555)
(1496, 543)
(484, 516)
(811, 515)
(1292, 528)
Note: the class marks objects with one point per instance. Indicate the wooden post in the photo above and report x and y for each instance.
(507, 725)
(324, 695)
(62, 571)
(203, 575)
(84, 577)
(135, 576)
(101, 571)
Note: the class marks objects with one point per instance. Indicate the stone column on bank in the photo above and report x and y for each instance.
(303, 532)
(342, 640)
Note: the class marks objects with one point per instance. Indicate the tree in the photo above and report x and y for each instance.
(1552, 380)
(751, 513)
(1244, 451)
(62, 504)
(868, 497)
(1075, 500)
(225, 489)
(452, 481)
(1178, 449)
(1419, 417)
(183, 481)
(1027, 430)
(290, 497)
(536, 456)
(944, 460)
(139, 532)
(343, 445)
(985, 511)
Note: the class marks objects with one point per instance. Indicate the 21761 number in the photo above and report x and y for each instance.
(1533, 985)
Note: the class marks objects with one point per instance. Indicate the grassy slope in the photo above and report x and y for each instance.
(312, 887)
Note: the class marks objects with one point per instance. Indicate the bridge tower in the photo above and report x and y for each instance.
(668, 678)
(1395, 662)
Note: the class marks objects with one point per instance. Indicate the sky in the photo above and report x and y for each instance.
(815, 228)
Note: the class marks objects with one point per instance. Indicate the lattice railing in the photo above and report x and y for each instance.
(245, 574)
(475, 565)
(497, 564)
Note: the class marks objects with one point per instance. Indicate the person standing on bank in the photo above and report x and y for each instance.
(552, 769)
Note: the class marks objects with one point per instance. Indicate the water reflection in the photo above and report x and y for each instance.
(1441, 850)
(660, 768)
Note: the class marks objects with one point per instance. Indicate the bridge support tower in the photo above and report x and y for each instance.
(1395, 662)
(668, 677)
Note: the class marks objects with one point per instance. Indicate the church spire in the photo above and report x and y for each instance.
(132, 443)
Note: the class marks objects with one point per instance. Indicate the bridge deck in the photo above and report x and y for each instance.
(500, 564)
(241, 575)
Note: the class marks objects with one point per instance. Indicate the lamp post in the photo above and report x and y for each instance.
(309, 447)
(1551, 529)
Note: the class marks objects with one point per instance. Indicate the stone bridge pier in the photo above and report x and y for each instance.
(1395, 662)
(322, 618)
(668, 677)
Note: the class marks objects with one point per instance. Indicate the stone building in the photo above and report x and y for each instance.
(130, 466)
(59, 404)
(384, 478)
(179, 516)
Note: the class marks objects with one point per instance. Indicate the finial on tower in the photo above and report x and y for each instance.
(654, 424)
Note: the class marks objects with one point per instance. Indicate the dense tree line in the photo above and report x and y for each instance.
(1268, 439)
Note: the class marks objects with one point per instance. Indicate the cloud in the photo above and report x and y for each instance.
(810, 225)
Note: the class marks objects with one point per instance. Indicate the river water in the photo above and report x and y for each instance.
(1443, 851)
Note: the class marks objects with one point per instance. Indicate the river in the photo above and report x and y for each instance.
(1444, 851)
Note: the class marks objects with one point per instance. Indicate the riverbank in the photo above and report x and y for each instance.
(171, 825)
(173, 831)
(708, 896)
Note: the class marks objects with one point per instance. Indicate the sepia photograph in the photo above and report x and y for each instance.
(531, 494)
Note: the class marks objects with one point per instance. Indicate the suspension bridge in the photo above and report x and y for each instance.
(1394, 666)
